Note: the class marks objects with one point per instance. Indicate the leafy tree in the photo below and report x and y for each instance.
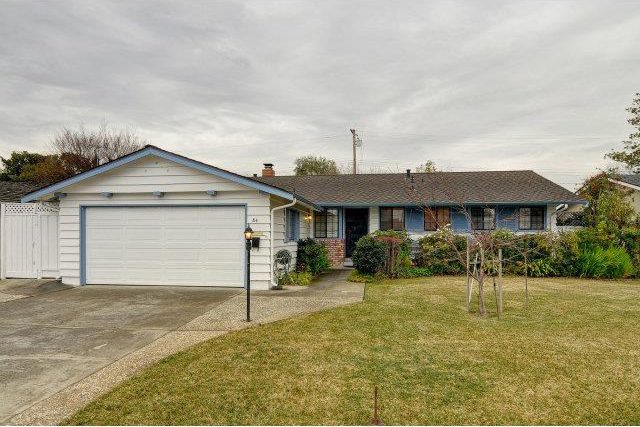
(428, 166)
(14, 165)
(630, 155)
(315, 165)
(51, 169)
(609, 205)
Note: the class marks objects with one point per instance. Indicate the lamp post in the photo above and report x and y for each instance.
(248, 236)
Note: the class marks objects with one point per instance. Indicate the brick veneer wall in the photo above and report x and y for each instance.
(335, 247)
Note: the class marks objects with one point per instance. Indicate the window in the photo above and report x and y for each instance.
(435, 218)
(325, 224)
(531, 218)
(392, 219)
(291, 225)
(483, 218)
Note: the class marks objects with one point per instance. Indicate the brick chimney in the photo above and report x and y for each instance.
(268, 170)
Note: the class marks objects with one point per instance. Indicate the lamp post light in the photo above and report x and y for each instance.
(248, 236)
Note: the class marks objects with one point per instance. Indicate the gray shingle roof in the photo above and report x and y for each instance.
(629, 179)
(487, 187)
(11, 192)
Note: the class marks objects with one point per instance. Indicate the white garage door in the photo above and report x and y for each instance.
(178, 246)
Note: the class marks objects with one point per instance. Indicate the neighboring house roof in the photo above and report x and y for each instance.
(629, 180)
(11, 192)
(151, 150)
(489, 187)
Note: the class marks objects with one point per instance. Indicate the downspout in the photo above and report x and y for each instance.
(272, 238)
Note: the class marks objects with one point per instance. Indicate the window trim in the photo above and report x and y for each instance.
(531, 208)
(404, 217)
(426, 212)
(483, 221)
(325, 214)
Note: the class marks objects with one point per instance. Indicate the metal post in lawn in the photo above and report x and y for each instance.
(526, 283)
(500, 306)
(376, 421)
(248, 236)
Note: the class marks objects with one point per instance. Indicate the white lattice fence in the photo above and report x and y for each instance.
(28, 240)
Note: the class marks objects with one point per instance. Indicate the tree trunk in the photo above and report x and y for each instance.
(481, 307)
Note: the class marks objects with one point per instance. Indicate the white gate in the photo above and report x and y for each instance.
(28, 240)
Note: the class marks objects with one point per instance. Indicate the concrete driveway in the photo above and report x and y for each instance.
(52, 336)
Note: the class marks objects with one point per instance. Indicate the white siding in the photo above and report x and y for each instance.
(134, 183)
(278, 229)
(374, 218)
(552, 218)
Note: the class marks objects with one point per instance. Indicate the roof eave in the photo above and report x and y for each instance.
(467, 203)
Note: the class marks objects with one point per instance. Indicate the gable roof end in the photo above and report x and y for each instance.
(151, 150)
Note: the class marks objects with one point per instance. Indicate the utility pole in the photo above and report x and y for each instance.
(357, 142)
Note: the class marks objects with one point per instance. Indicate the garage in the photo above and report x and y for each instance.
(164, 245)
(154, 217)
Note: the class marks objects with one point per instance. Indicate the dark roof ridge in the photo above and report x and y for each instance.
(399, 173)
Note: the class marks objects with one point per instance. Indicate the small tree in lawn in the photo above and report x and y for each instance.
(484, 246)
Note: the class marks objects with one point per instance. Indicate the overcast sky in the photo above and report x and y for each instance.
(471, 85)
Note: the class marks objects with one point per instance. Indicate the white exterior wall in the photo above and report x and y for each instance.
(552, 218)
(634, 198)
(374, 218)
(134, 183)
(278, 229)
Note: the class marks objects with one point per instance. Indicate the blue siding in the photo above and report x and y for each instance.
(292, 225)
(506, 218)
(414, 219)
(459, 222)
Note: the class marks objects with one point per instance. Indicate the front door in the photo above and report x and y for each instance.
(356, 223)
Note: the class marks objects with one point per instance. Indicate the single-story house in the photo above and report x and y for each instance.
(157, 218)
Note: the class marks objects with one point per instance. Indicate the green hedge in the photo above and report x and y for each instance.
(588, 252)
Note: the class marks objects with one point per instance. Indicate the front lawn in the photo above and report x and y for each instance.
(571, 357)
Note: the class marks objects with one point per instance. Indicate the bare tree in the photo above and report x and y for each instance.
(82, 149)
(483, 248)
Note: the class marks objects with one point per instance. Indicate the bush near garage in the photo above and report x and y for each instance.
(312, 257)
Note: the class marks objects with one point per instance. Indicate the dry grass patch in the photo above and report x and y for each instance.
(571, 357)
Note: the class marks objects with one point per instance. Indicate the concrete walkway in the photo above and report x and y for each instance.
(331, 290)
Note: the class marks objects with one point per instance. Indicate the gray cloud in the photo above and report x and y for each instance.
(471, 85)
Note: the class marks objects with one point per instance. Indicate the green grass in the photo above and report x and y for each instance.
(571, 357)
